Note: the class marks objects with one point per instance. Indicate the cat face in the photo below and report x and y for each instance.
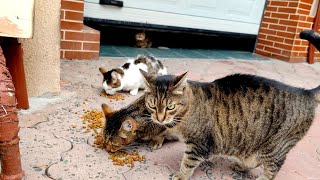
(111, 80)
(165, 98)
(119, 131)
(140, 36)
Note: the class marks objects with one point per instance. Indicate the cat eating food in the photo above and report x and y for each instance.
(255, 119)
(131, 124)
(128, 77)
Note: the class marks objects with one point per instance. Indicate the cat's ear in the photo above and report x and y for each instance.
(180, 83)
(114, 77)
(107, 110)
(130, 125)
(102, 70)
(146, 78)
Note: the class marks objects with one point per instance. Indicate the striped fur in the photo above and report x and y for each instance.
(117, 137)
(254, 119)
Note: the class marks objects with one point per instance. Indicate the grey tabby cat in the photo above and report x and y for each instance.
(131, 124)
(254, 119)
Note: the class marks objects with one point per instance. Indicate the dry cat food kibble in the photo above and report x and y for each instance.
(122, 158)
(115, 97)
(92, 120)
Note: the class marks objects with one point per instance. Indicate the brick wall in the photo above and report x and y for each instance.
(77, 40)
(279, 33)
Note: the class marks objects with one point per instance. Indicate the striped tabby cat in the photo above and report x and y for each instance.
(131, 124)
(254, 119)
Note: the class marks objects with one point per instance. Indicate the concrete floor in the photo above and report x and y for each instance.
(54, 145)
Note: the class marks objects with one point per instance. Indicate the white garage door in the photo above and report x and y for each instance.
(238, 16)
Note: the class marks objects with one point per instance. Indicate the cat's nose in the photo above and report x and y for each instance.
(160, 117)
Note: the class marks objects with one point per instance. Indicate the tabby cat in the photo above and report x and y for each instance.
(255, 119)
(142, 41)
(131, 124)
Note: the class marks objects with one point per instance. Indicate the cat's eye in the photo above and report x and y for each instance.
(171, 106)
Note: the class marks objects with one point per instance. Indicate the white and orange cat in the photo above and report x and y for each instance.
(128, 76)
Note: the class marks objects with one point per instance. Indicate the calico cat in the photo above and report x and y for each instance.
(131, 124)
(142, 41)
(255, 119)
(128, 77)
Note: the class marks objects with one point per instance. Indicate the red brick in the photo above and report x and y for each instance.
(297, 42)
(267, 31)
(71, 45)
(303, 54)
(286, 53)
(71, 25)
(275, 38)
(304, 43)
(277, 27)
(263, 53)
(280, 15)
(262, 36)
(264, 25)
(305, 25)
(288, 23)
(61, 54)
(259, 46)
(62, 35)
(286, 10)
(301, 11)
(279, 3)
(307, 1)
(283, 46)
(281, 57)
(267, 14)
(291, 29)
(295, 53)
(272, 50)
(71, 5)
(299, 48)
(294, 17)
(286, 34)
(80, 36)
(310, 19)
(265, 42)
(305, 6)
(81, 55)
(270, 20)
(288, 41)
(293, 4)
(76, 16)
(91, 46)
(62, 14)
(271, 9)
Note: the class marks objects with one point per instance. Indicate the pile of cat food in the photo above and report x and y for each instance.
(92, 120)
(121, 158)
(115, 96)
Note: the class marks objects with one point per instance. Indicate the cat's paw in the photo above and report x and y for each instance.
(178, 176)
(134, 92)
(154, 145)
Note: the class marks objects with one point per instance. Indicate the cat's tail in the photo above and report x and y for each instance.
(316, 92)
